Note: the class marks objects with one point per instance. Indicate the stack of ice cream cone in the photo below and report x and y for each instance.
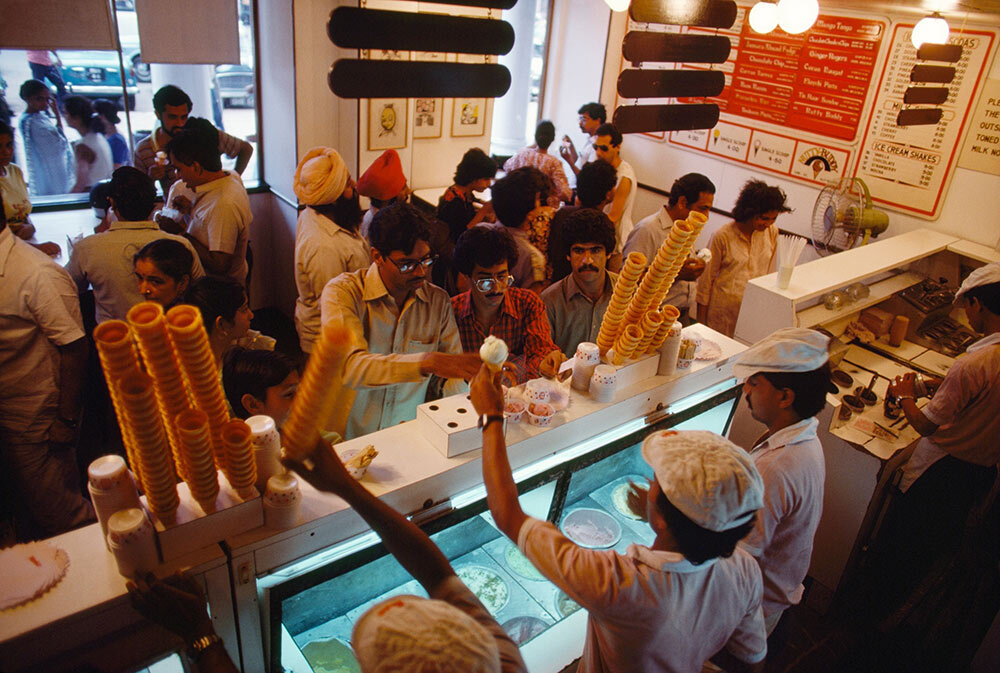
(317, 393)
(196, 447)
(118, 357)
(670, 314)
(138, 403)
(150, 329)
(194, 355)
(651, 322)
(241, 468)
(614, 316)
(626, 343)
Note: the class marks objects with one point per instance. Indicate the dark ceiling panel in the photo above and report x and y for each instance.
(638, 47)
(356, 28)
(651, 118)
(947, 53)
(356, 78)
(670, 83)
(708, 13)
(938, 74)
(492, 4)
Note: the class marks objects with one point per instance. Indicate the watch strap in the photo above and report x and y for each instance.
(199, 645)
(486, 419)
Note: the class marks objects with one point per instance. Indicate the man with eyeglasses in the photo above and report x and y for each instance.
(576, 304)
(493, 307)
(404, 328)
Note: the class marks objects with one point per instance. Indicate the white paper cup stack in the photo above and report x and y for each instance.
(587, 357)
(131, 540)
(111, 489)
(282, 501)
(602, 383)
(266, 449)
(537, 390)
(668, 352)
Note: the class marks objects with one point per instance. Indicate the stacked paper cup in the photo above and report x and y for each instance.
(587, 357)
(266, 449)
(282, 501)
(602, 384)
(130, 539)
(668, 352)
(111, 488)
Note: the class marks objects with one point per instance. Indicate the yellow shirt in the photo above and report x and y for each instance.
(16, 202)
(382, 380)
(736, 258)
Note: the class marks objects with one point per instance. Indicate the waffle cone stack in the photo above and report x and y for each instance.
(317, 393)
(626, 343)
(138, 402)
(651, 322)
(614, 317)
(194, 354)
(150, 328)
(196, 447)
(118, 357)
(241, 468)
(670, 314)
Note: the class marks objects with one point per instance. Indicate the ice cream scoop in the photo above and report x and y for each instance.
(494, 353)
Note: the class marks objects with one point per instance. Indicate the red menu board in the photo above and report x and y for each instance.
(816, 81)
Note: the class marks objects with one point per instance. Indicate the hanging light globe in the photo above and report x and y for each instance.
(797, 16)
(931, 29)
(764, 17)
(618, 5)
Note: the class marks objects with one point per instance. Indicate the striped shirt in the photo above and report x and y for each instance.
(144, 157)
(548, 164)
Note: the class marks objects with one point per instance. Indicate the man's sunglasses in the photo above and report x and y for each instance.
(485, 285)
(409, 266)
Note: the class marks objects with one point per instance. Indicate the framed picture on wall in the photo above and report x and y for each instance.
(468, 117)
(386, 123)
(427, 117)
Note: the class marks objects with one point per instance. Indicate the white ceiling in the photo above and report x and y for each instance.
(956, 11)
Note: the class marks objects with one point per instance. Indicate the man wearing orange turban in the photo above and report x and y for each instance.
(384, 184)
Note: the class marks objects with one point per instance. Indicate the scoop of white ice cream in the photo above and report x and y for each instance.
(493, 351)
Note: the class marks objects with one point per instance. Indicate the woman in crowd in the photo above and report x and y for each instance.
(49, 159)
(225, 311)
(163, 271)
(108, 113)
(457, 206)
(17, 203)
(92, 151)
(741, 250)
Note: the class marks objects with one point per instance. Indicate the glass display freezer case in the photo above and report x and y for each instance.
(313, 606)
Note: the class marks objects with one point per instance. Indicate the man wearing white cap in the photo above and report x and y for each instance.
(327, 240)
(452, 632)
(955, 462)
(667, 607)
(787, 376)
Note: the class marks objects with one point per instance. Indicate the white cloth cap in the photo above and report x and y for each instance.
(410, 633)
(707, 477)
(320, 177)
(791, 349)
(984, 275)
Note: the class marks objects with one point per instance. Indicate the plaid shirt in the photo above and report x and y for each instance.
(522, 324)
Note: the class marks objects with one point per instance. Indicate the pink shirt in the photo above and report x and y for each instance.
(653, 611)
(965, 410)
(736, 259)
(791, 464)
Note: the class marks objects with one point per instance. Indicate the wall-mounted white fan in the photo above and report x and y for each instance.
(843, 217)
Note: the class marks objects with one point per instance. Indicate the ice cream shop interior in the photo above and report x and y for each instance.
(499, 335)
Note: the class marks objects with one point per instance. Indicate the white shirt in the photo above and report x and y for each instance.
(323, 251)
(104, 261)
(647, 237)
(103, 165)
(652, 611)
(793, 469)
(220, 220)
(965, 410)
(587, 153)
(623, 227)
(39, 311)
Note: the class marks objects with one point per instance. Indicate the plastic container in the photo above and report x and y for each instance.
(540, 414)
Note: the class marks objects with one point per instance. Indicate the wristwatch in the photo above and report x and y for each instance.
(196, 647)
(486, 419)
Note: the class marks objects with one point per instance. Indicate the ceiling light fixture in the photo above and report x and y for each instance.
(618, 5)
(931, 29)
(764, 17)
(797, 16)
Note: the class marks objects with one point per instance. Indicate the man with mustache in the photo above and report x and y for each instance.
(689, 192)
(172, 107)
(493, 307)
(576, 304)
(327, 240)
